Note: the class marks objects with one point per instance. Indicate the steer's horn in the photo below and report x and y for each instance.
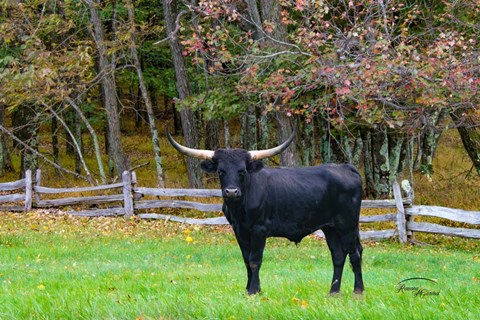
(195, 153)
(262, 154)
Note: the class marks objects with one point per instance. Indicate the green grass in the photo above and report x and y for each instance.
(55, 267)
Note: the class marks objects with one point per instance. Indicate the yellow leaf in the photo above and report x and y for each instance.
(304, 303)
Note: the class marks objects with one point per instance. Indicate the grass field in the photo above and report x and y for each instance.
(60, 267)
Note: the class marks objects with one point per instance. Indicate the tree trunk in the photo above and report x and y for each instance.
(5, 157)
(69, 145)
(253, 133)
(226, 133)
(55, 146)
(190, 131)
(345, 148)
(256, 22)
(470, 134)
(286, 125)
(77, 133)
(139, 112)
(357, 150)
(383, 160)
(264, 128)
(417, 164)
(395, 144)
(367, 163)
(146, 99)
(26, 127)
(177, 121)
(325, 144)
(271, 14)
(212, 135)
(406, 163)
(308, 144)
(381, 163)
(249, 129)
(109, 91)
(331, 145)
(430, 136)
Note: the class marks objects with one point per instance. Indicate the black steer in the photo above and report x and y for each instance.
(262, 202)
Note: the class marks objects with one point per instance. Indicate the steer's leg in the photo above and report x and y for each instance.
(257, 244)
(245, 248)
(335, 244)
(246, 255)
(351, 243)
(356, 261)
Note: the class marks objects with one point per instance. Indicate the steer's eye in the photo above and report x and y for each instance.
(242, 173)
(221, 173)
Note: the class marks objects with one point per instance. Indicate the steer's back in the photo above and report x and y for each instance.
(298, 201)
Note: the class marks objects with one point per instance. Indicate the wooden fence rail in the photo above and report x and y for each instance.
(25, 197)
(128, 199)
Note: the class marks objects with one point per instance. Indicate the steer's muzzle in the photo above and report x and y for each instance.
(231, 193)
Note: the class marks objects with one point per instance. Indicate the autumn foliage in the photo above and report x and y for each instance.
(373, 83)
(358, 62)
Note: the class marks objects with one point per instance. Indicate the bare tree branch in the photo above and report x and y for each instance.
(75, 143)
(173, 34)
(94, 137)
(26, 146)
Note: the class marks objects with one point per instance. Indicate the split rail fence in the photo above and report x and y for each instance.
(126, 199)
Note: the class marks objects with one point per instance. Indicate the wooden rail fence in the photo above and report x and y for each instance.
(127, 199)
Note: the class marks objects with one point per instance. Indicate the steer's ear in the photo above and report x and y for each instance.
(254, 166)
(209, 166)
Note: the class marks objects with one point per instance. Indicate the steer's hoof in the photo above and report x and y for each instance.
(358, 291)
(253, 292)
(334, 293)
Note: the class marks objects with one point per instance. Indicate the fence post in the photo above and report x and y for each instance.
(127, 194)
(134, 179)
(400, 221)
(136, 196)
(38, 183)
(28, 190)
(409, 193)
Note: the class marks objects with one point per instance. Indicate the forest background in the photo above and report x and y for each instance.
(86, 84)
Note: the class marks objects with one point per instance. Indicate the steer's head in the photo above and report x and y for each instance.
(233, 166)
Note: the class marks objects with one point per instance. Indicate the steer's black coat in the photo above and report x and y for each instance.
(292, 203)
